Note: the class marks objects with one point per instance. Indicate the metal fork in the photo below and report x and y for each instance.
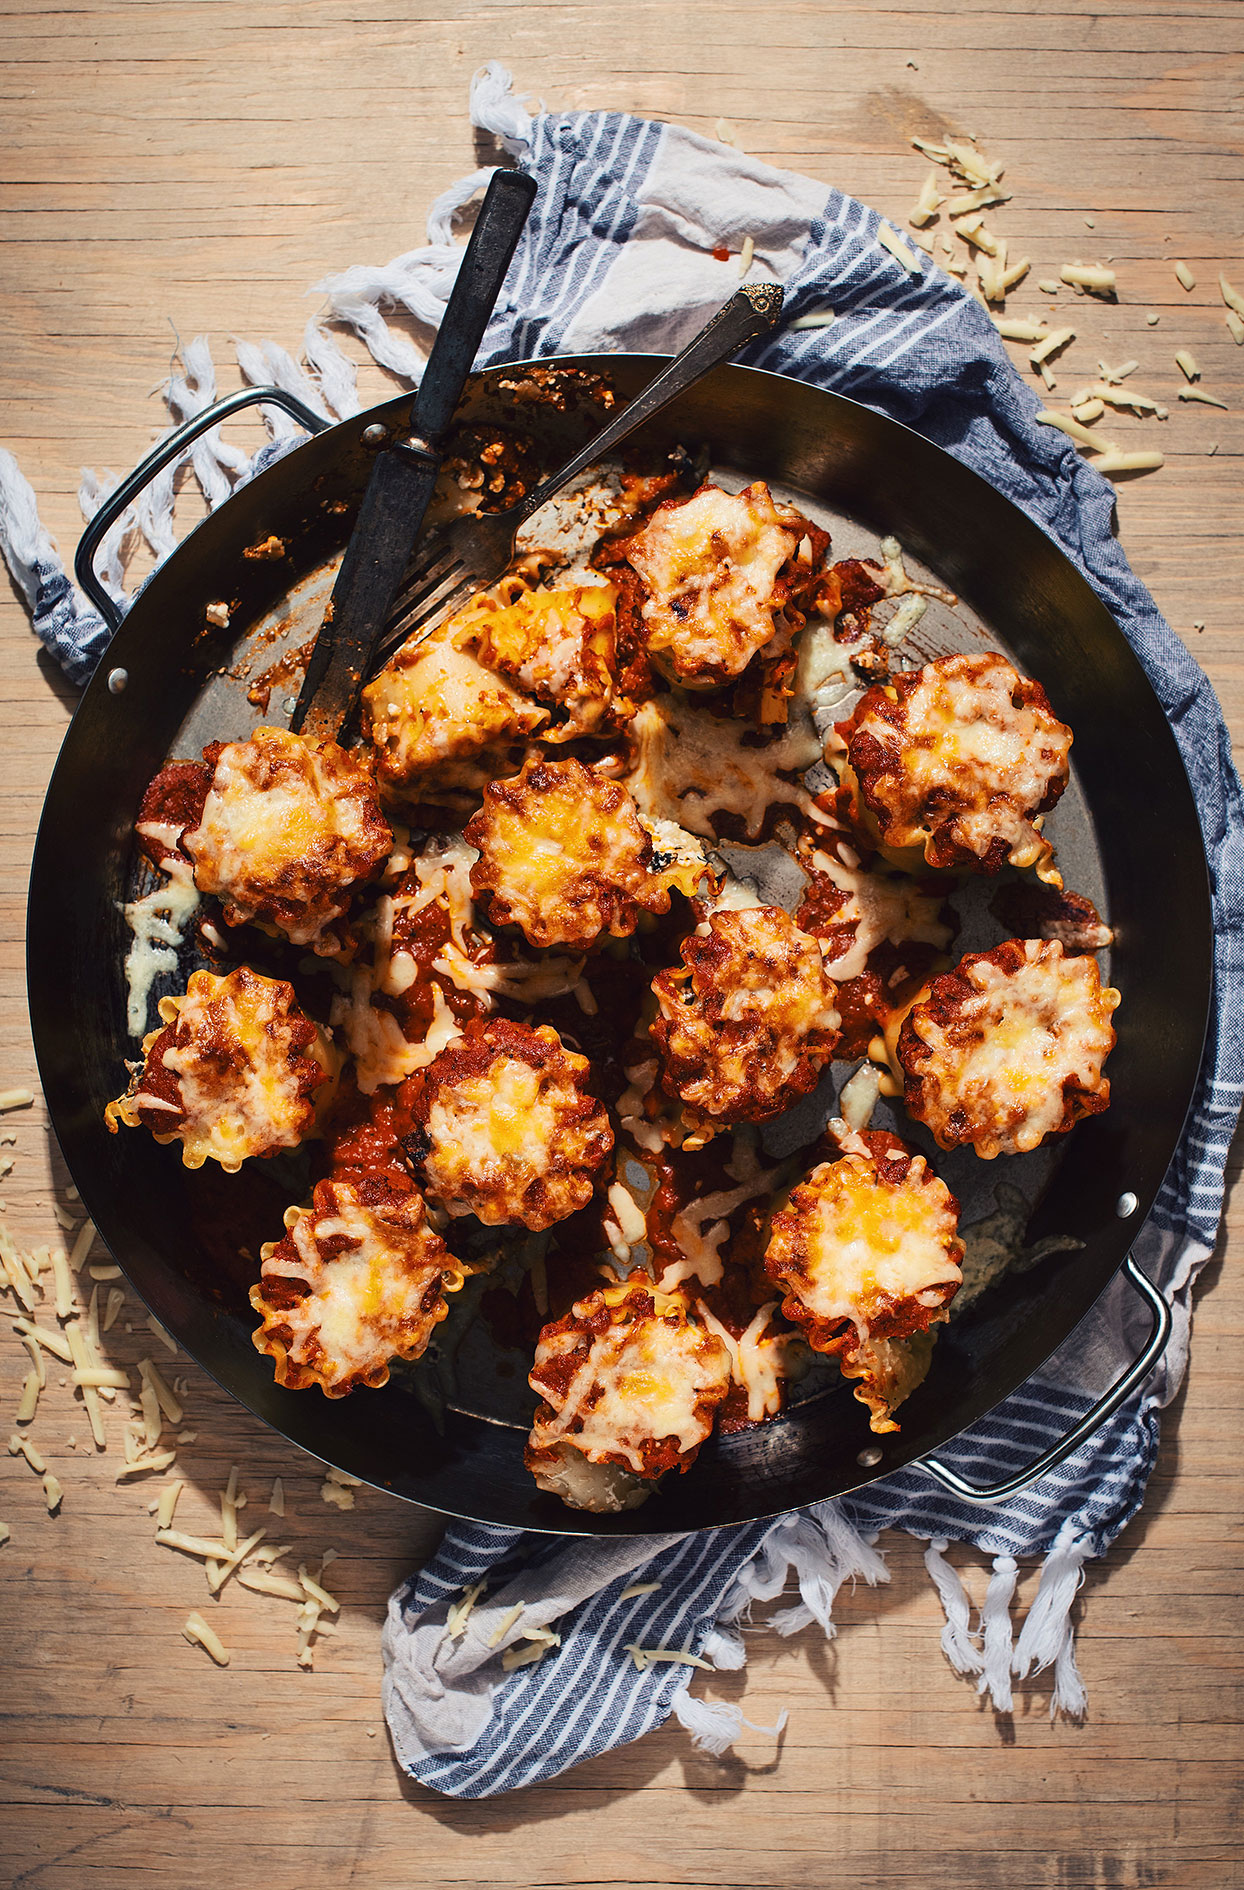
(473, 552)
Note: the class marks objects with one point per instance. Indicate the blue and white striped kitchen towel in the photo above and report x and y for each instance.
(619, 253)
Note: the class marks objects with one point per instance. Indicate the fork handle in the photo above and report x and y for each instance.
(750, 312)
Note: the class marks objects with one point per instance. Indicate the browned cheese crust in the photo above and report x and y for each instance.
(628, 1377)
(1007, 1049)
(867, 1249)
(748, 1022)
(288, 833)
(564, 855)
(441, 724)
(953, 765)
(719, 570)
(232, 1073)
(505, 1127)
(559, 646)
(359, 1279)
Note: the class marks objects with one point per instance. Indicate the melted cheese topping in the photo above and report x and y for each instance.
(689, 766)
(374, 1275)
(966, 764)
(288, 831)
(854, 1247)
(760, 1358)
(883, 908)
(242, 1082)
(995, 1071)
(158, 922)
(564, 855)
(382, 1053)
(646, 1379)
(434, 714)
(515, 1144)
(709, 564)
(556, 645)
(749, 1021)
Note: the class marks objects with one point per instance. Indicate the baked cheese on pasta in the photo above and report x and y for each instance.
(629, 1378)
(954, 765)
(233, 1072)
(358, 1280)
(505, 1127)
(715, 573)
(868, 1248)
(747, 1023)
(556, 645)
(288, 833)
(1008, 1048)
(441, 724)
(563, 854)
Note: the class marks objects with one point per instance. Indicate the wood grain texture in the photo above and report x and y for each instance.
(182, 168)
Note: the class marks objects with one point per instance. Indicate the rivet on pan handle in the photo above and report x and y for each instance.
(158, 458)
(1093, 1418)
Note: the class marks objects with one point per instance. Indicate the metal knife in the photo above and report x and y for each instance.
(402, 479)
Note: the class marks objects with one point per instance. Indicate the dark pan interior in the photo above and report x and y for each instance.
(175, 1234)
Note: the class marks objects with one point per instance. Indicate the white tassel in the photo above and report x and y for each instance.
(270, 363)
(334, 371)
(23, 540)
(957, 1643)
(822, 1550)
(441, 215)
(117, 543)
(494, 108)
(715, 1725)
(216, 463)
(1047, 1638)
(724, 1647)
(155, 509)
(996, 1622)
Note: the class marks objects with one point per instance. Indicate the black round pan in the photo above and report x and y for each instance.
(176, 1234)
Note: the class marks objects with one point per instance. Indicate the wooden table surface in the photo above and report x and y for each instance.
(176, 169)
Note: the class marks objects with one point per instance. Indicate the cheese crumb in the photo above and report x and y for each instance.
(1093, 280)
(902, 255)
(1185, 361)
(197, 1632)
(276, 1502)
(53, 1492)
(1185, 276)
(747, 255)
(639, 1588)
(815, 318)
(16, 1099)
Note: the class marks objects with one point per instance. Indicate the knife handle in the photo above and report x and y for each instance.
(480, 275)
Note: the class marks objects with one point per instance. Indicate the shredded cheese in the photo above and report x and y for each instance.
(1118, 462)
(906, 258)
(166, 1503)
(198, 1633)
(1185, 361)
(1184, 276)
(645, 1657)
(15, 1099)
(1093, 280)
(53, 1491)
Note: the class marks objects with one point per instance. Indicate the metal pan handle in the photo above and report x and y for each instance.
(1096, 1415)
(157, 459)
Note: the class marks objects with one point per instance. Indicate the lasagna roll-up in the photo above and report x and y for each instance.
(746, 1024)
(953, 766)
(231, 1074)
(359, 1279)
(630, 1381)
(505, 1127)
(1008, 1048)
(441, 724)
(868, 1248)
(288, 834)
(557, 645)
(564, 855)
(718, 570)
